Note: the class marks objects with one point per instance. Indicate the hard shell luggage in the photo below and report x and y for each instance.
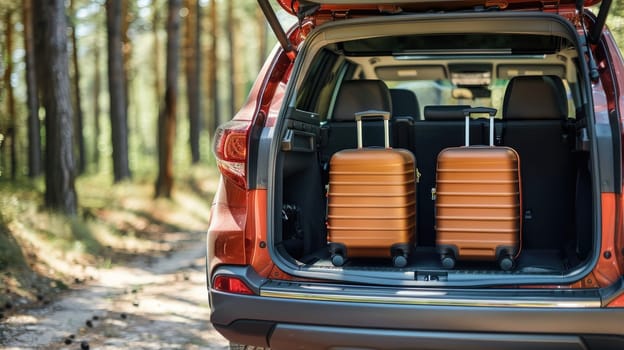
(478, 201)
(371, 200)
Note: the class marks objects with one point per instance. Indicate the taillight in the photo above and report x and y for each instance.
(231, 284)
(230, 148)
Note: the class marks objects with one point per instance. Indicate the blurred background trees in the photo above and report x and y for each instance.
(118, 63)
(122, 70)
(615, 21)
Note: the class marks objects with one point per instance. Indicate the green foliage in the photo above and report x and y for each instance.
(10, 254)
(615, 21)
(9, 5)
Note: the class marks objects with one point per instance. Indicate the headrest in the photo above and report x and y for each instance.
(535, 97)
(361, 95)
(445, 113)
(404, 103)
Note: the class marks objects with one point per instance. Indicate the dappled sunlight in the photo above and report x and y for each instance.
(46, 253)
(21, 319)
(148, 305)
(115, 226)
(192, 206)
(129, 243)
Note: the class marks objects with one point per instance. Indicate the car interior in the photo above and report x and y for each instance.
(426, 81)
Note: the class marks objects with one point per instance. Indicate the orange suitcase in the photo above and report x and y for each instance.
(371, 200)
(478, 201)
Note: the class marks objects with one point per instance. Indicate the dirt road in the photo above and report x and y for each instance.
(155, 303)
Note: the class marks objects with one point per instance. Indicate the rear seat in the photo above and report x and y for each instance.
(404, 103)
(405, 110)
(356, 96)
(535, 111)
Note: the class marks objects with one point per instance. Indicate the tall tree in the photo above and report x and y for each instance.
(232, 56)
(126, 19)
(80, 145)
(215, 110)
(167, 116)
(32, 99)
(117, 91)
(53, 78)
(262, 37)
(10, 93)
(97, 81)
(156, 58)
(192, 70)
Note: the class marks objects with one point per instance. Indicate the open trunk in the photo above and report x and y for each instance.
(444, 59)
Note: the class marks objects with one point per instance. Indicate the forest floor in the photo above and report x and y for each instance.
(126, 273)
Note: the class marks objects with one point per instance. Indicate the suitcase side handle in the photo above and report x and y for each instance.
(479, 110)
(359, 116)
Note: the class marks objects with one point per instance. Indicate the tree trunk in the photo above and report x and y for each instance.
(126, 19)
(155, 25)
(117, 87)
(167, 117)
(262, 37)
(97, 81)
(213, 85)
(232, 56)
(53, 76)
(8, 71)
(80, 145)
(193, 68)
(32, 100)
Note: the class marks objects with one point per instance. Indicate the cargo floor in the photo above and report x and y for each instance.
(426, 258)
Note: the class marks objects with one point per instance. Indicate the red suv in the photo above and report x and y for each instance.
(554, 77)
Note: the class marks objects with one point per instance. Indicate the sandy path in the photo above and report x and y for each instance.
(156, 303)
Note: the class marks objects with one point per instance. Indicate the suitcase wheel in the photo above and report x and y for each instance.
(399, 261)
(448, 261)
(337, 260)
(506, 263)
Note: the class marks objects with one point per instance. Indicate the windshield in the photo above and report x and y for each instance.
(444, 92)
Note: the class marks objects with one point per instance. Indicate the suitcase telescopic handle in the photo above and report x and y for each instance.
(373, 114)
(479, 110)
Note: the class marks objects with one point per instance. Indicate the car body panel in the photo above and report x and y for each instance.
(535, 313)
(289, 309)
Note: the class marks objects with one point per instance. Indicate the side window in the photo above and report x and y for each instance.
(321, 77)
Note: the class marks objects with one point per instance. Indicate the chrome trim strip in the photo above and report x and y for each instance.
(424, 300)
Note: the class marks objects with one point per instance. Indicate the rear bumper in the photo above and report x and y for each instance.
(316, 322)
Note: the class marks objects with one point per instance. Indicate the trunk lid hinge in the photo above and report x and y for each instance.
(550, 6)
(601, 19)
(306, 10)
(338, 15)
(586, 41)
(279, 32)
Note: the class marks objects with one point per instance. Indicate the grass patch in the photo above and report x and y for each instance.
(42, 252)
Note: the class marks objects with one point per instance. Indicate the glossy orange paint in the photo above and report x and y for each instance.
(607, 271)
(617, 302)
(239, 231)
(225, 241)
(256, 233)
(619, 231)
(238, 215)
(611, 68)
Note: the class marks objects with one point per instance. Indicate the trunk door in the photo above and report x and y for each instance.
(305, 8)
